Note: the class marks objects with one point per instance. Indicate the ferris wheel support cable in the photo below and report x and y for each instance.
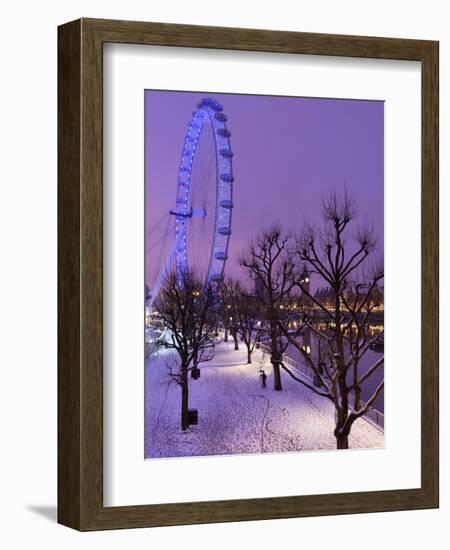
(164, 236)
(157, 224)
(162, 276)
(161, 250)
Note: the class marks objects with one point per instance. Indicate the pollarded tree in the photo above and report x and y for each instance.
(248, 321)
(340, 325)
(272, 268)
(189, 315)
(230, 295)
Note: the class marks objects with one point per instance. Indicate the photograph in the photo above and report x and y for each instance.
(264, 274)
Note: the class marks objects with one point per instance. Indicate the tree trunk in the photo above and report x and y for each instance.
(341, 441)
(342, 434)
(236, 342)
(275, 357)
(195, 363)
(276, 376)
(184, 400)
(249, 355)
(225, 338)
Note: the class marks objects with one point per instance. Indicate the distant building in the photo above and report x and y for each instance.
(325, 296)
(376, 301)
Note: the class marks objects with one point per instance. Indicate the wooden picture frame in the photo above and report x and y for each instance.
(80, 272)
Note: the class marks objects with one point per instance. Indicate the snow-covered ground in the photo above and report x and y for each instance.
(237, 415)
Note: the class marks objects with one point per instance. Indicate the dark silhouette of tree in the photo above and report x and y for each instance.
(247, 314)
(230, 295)
(341, 327)
(271, 267)
(188, 312)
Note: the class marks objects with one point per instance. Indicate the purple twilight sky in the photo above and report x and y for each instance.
(288, 154)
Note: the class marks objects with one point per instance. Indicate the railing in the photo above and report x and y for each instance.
(373, 416)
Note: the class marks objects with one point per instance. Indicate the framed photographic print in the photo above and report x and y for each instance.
(248, 274)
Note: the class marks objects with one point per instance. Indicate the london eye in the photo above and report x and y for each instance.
(204, 199)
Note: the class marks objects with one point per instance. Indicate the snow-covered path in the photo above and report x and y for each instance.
(236, 415)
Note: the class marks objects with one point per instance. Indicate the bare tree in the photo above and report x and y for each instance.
(271, 267)
(188, 313)
(230, 296)
(341, 326)
(248, 320)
